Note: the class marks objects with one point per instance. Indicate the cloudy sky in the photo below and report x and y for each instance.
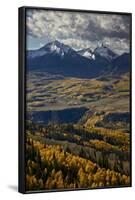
(79, 30)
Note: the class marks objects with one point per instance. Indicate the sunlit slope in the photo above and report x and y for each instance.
(110, 93)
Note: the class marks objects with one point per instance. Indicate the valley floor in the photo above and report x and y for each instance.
(78, 132)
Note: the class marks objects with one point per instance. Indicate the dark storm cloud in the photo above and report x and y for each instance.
(80, 30)
(98, 32)
(101, 26)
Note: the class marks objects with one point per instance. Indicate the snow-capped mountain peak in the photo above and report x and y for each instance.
(88, 53)
(105, 52)
(59, 49)
(57, 46)
(58, 57)
(54, 47)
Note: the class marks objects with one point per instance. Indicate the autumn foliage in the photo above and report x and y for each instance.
(51, 167)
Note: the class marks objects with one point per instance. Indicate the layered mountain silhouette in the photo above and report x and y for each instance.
(58, 58)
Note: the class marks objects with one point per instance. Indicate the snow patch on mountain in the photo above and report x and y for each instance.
(88, 53)
(60, 49)
(54, 47)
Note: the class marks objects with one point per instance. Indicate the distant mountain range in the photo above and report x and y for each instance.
(58, 58)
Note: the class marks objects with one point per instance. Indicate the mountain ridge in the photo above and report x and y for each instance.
(56, 57)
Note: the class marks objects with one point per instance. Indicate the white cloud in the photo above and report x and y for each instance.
(80, 30)
(79, 44)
